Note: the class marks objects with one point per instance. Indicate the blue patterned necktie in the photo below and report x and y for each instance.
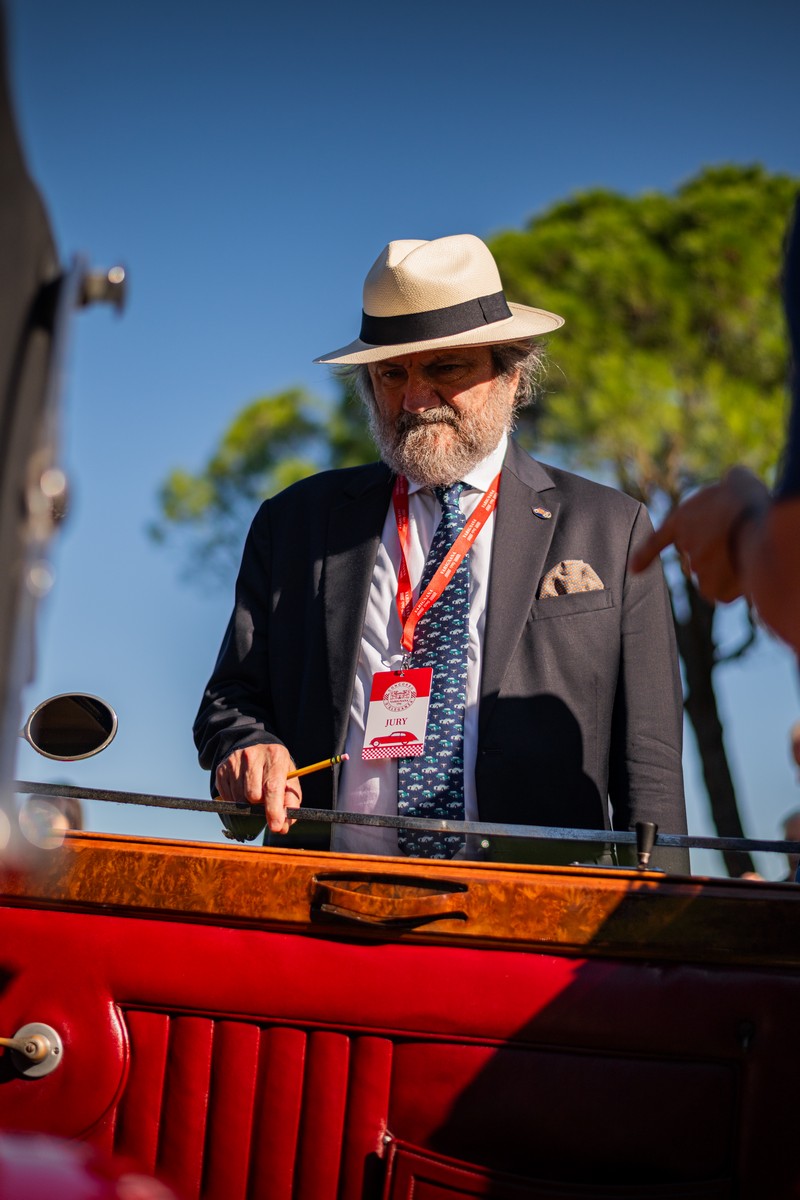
(432, 784)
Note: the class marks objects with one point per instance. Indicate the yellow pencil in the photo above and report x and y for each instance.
(320, 766)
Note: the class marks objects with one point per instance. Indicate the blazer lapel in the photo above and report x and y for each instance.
(354, 532)
(519, 552)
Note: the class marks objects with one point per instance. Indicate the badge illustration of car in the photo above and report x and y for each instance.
(395, 739)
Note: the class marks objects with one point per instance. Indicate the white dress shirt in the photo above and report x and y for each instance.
(371, 786)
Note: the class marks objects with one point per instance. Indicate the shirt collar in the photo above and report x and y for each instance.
(481, 475)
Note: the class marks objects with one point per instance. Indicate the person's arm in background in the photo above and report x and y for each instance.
(235, 728)
(737, 539)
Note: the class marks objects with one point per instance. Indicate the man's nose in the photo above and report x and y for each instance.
(419, 394)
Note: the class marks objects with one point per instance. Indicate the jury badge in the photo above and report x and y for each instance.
(398, 713)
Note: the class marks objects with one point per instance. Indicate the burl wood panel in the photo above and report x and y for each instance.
(562, 909)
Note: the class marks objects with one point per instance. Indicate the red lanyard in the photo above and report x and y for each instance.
(409, 612)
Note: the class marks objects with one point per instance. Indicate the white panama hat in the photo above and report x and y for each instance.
(429, 295)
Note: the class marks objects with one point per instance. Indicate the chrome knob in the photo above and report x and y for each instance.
(36, 1049)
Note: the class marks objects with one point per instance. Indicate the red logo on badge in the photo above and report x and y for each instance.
(399, 696)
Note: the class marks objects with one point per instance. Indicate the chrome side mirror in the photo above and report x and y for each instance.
(71, 726)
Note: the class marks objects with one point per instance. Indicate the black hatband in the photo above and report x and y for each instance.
(439, 322)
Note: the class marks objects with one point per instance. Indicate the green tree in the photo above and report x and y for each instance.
(671, 367)
(271, 443)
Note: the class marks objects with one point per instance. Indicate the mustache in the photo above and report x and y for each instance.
(407, 421)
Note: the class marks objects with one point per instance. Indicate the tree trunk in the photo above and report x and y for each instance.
(697, 649)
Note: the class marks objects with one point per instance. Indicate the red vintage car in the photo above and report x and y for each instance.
(247, 1023)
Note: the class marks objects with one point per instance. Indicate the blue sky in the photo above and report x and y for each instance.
(247, 165)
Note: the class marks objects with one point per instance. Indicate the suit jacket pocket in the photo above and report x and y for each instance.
(572, 604)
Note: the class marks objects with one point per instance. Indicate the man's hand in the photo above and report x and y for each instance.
(712, 532)
(257, 775)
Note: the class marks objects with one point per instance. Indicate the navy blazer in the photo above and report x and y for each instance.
(580, 718)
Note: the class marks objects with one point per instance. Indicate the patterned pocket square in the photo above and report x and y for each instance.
(571, 575)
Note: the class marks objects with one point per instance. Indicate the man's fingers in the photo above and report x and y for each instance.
(257, 775)
(274, 800)
(276, 805)
(657, 541)
(253, 774)
(225, 781)
(279, 792)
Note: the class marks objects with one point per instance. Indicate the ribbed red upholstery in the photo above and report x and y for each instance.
(231, 1109)
(139, 1118)
(277, 1125)
(252, 1064)
(181, 1143)
(367, 1106)
(227, 1110)
(322, 1124)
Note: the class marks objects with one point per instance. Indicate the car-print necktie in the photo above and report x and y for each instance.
(432, 784)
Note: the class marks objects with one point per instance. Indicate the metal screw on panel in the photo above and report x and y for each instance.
(104, 287)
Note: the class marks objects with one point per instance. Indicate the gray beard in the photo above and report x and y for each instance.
(412, 446)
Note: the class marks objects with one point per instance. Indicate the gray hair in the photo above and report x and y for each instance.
(528, 357)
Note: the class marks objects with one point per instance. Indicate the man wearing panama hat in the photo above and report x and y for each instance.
(457, 619)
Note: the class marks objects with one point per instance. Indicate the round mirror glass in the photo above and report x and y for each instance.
(72, 726)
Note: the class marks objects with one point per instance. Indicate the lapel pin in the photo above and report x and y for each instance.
(543, 513)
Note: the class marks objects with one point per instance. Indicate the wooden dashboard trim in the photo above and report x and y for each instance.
(588, 911)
